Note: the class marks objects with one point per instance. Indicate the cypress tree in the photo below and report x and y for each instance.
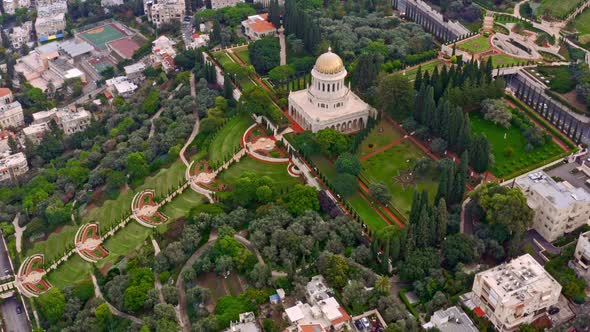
(385, 257)
(429, 109)
(423, 233)
(416, 206)
(418, 79)
(228, 89)
(442, 219)
(394, 251)
(443, 184)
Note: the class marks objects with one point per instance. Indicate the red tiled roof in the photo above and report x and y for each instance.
(478, 312)
(108, 94)
(311, 328)
(4, 92)
(196, 35)
(345, 317)
(261, 26)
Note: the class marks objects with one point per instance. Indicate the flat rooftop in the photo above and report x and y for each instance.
(557, 193)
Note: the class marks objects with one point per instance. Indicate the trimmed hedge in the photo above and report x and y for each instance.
(411, 309)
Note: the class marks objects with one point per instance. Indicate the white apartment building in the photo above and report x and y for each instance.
(50, 25)
(73, 120)
(198, 40)
(11, 115)
(134, 72)
(217, 4)
(258, 26)
(4, 147)
(110, 3)
(453, 319)
(21, 35)
(582, 253)
(559, 207)
(121, 86)
(13, 166)
(266, 3)
(10, 6)
(515, 293)
(164, 11)
(163, 53)
(36, 131)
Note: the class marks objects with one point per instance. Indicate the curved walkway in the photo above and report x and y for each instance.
(114, 310)
(183, 318)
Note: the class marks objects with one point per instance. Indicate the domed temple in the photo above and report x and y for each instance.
(328, 102)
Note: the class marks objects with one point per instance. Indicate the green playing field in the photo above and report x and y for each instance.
(100, 36)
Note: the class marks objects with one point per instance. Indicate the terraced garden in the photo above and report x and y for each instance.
(475, 45)
(277, 172)
(228, 138)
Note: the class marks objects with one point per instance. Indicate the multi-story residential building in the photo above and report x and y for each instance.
(36, 131)
(515, 293)
(121, 86)
(258, 26)
(6, 96)
(10, 6)
(217, 4)
(13, 166)
(164, 11)
(111, 3)
(50, 17)
(582, 253)
(163, 53)
(246, 323)
(21, 35)
(5, 135)
(72, 120)
(134, 72)
(266, 3)
(453, 319)
(11, 115)
(559, 207)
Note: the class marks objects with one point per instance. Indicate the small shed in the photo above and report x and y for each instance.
(281, 294)
(274, 299)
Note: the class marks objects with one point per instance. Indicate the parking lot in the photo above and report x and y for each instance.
(369, 321)
(577, 180)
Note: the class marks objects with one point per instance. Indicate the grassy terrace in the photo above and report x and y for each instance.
(278, 172)
(520, 159)
(557, 8)
(71, 272)
(228, 138)
(380, 136)
(503, 60)
(359, 204)
(182, 204)
(475, 45)
(111, 211)
(411, 73)
(387, 165)
(223, 58)
(582, 24)
(124, 242)
(243, 54)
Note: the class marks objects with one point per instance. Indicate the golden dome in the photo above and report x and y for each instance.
(329, 63)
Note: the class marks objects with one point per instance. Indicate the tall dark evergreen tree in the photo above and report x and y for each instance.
(442, 219)
(228, 88)
(418, 79)
(274, 13)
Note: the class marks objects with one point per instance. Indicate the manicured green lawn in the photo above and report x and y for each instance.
(243, 54)
(475, 45)
(124, 242)
(325, 166)
(505, 165)
(182, 204)
(223, 58)
(582, 22)
(228, 138)
(383, 134)
(56, 243)
(503, 60)
(277, 172)
(557, 8)
(560, 77)
(385, 166)
(69, 273)
(411, 74)
(367, 213)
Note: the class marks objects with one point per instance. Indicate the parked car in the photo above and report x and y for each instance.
(366, 322)
(553, 310)
(359, 325)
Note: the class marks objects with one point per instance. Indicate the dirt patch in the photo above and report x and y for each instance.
(105, 269)
(572, 98)
(175, 229)
(46, 236)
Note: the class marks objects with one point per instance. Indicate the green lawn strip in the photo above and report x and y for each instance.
(411, 74)
(557, 8)
(505, 164)
(383, 134)
(124, 242)
(70, 272)
(503, 60)
(182, 204)
(223, 58)
(373, 220)
(582, 22)
(228, 138)
(475, 45)
(385, 166)
(243, 54)
(277, 172)
(55, 245)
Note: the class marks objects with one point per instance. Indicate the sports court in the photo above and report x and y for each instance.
(101, 35)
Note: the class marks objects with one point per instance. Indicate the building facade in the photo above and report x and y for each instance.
(6, 96)
(217, 4)
(559, 207)
(582, 253)
(72, 120)
(453, 319)
(11, 115)
(13, 166)
(21, 35)
(163, 53)
(329, 102)
(10, 6)
(515, 293)
(164, 11)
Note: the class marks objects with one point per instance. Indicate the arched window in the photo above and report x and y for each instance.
(323, 87)
(328, 87)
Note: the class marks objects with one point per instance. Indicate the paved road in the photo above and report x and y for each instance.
(14, 322)
(5, 267)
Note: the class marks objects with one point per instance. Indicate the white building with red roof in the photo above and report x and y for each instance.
(163, 53)
(198, 40)
(258, 26)
(6, 96)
